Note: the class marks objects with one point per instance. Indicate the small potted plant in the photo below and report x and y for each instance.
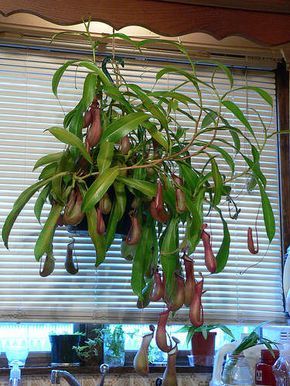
(62, 349)
(114, 346)
(203, 342)
(90, 352)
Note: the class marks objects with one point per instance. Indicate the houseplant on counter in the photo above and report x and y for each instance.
(202, 341)
(127, 152)
(110, 340)
(90, 352)
(62, 349)
(114, 346)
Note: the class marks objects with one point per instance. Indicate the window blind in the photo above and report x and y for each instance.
(248, 289)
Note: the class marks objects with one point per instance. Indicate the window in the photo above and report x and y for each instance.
(35, 335)
(248, 289)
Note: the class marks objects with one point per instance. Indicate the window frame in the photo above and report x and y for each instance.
(38, 359)
(283, 123)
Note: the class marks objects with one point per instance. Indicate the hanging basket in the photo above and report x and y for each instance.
(123, 225)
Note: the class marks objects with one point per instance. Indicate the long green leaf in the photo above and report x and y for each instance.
(255, 154)
(89, 89)
(40, 202)
(237, 112)
(235, 133)
(268, 215)
(145, 187)
(76, 124)
(92, 67)
(45, 237)
(99, 188)
(105, 156)
(150, 256)
(112, 225)
(225, 154)
(64, 164)
(150, 105)
(169, 255)
(263, 93)
(223, 253)
(138, 267)
(209, 119)
(194, 223)
(123, 126)
(121, 199)
(122, 36)
(48, 159)
(187, 114)
(174, 95)
(58, 75)
(190, 76)
(71, 139)
(69, 116)
(218, 182)
(152, 130)
(98, 240)
(254, 166)
(48, 171)
(203, 179)
(190, 177)
(236, 140)
(169, 194)
(223, 68)
(71, 33)
(179, 46)
(118, 96)
(19, 204)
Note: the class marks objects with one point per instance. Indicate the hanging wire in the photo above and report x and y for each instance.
(115, 62)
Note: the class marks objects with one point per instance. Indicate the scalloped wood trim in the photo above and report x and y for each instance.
(168, 19)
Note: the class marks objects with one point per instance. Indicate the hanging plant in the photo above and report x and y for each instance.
(127, 147)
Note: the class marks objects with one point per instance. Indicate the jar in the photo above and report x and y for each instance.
(264, 373)
(114, 347)
(237, 371)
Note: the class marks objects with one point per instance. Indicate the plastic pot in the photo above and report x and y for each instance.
(203, 350)
(123, 225)
(62, 352)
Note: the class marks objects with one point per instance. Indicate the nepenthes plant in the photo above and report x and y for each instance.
(131, 151)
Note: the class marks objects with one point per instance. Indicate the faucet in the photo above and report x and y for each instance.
(15, 375)
(56, 375)
(104, 368)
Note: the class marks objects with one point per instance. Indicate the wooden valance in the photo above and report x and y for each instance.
(266, 22)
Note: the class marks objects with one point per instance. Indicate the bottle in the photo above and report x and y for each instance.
(281, 368)
(237, 371)
(251, 354)
(264, 373)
